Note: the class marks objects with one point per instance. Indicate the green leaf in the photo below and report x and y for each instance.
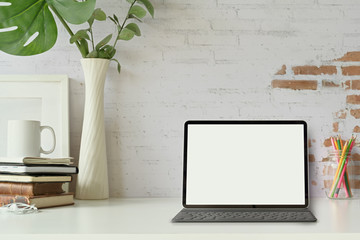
(131, 1)
(103, 54)
(134, 17)
(33, 17)
(93, 54)
(91, 20)
(118, 64)
(135, 28)
(99, 14)
(137, 11)
(29, 17)
(110, 50)
(103, 42)
(126, 34)
(116, 19)
(112, 19)
(148, 6)
(84, 47)
(81, 34)
(73, 11)
(107, 52)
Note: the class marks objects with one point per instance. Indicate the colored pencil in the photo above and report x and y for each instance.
(341, 170)
(334, 184)
(344, 182)
(341, 179)
(344, 171)
(341, 143)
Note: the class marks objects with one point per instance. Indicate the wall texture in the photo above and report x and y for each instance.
(214, 59)
(334, 76)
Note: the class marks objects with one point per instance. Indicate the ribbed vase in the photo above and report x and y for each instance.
(92, 180)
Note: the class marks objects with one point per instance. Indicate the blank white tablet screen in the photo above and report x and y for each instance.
(245, 164)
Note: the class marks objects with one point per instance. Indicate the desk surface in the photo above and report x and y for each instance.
(145, 217)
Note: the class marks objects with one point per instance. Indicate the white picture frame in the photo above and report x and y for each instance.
(44, 98)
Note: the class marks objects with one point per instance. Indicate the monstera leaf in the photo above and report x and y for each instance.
(27, 27)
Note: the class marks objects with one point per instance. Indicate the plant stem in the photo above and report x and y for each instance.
(65, 25)
(92, 38)
(122, 26)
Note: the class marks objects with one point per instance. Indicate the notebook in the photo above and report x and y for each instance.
(14, 168)
(245, 171)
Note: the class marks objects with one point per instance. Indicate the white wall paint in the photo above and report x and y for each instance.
(198, 59)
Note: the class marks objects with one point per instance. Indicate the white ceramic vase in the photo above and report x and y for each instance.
(92, 180)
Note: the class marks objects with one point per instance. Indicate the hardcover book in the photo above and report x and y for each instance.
(42, 201)
(14, 168)
(31, 189)
(36, 160)
(29, 179)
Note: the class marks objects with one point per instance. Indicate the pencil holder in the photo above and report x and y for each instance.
(340, 174)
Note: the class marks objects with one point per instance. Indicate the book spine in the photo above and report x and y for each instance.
(31, 189)
(17, 188)
(7, 199)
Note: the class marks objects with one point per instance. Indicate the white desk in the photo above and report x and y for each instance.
(149, 218)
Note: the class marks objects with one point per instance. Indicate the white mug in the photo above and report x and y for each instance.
(24, 138)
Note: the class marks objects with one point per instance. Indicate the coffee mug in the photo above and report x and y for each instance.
(24, 138)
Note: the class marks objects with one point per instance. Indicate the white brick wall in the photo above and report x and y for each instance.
(200, 59)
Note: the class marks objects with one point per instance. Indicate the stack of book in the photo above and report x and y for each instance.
(36, 181)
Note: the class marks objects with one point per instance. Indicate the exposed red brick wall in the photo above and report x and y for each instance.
(311, 158)
(282, 71)
(350, 57)
(311, 142)
(318, 74)
(327, 142)
(355, 113)
(335, 127)
(351, 70)
(356, 129)
(326, 83)
(341, 114)
(352, 84)
(343, 74)
(353, 99)
(314, 70)
(295, 84)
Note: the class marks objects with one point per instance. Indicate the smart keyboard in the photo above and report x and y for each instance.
(244, 215)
